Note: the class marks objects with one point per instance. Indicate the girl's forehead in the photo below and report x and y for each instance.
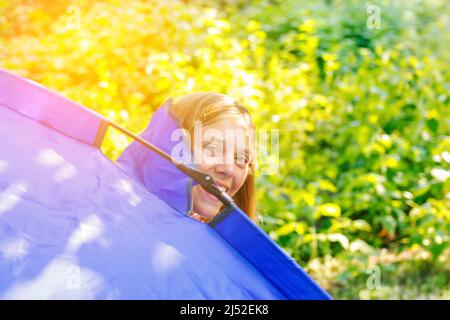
(229, 122)
(229, 129)
(233, 131)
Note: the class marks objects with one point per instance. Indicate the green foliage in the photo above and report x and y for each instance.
(363, 114)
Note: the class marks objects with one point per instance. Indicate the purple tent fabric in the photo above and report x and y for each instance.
(158, 176)
(73, 225)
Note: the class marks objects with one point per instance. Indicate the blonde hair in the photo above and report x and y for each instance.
(209, 107)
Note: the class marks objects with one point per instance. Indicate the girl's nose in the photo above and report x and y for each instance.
(226, 169)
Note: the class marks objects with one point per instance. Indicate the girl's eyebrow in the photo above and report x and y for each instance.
(246, 152)
(221, 142)
(212, 139)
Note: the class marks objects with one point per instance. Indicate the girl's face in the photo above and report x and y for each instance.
(224, 154)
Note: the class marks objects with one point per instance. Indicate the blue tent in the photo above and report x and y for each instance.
(74, 225)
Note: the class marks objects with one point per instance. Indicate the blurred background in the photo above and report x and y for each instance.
(359, 92)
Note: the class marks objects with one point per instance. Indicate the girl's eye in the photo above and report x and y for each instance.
(240, 159)
(212, 150)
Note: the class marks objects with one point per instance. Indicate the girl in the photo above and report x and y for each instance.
(225, 150)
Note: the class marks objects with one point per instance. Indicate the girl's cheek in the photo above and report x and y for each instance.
(239, 179)
(205, 166)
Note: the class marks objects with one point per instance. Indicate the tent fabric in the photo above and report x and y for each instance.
(159, 176)
(73, 225)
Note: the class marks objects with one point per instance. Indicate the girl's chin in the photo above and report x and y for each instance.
(208, 205)
(207, 209)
